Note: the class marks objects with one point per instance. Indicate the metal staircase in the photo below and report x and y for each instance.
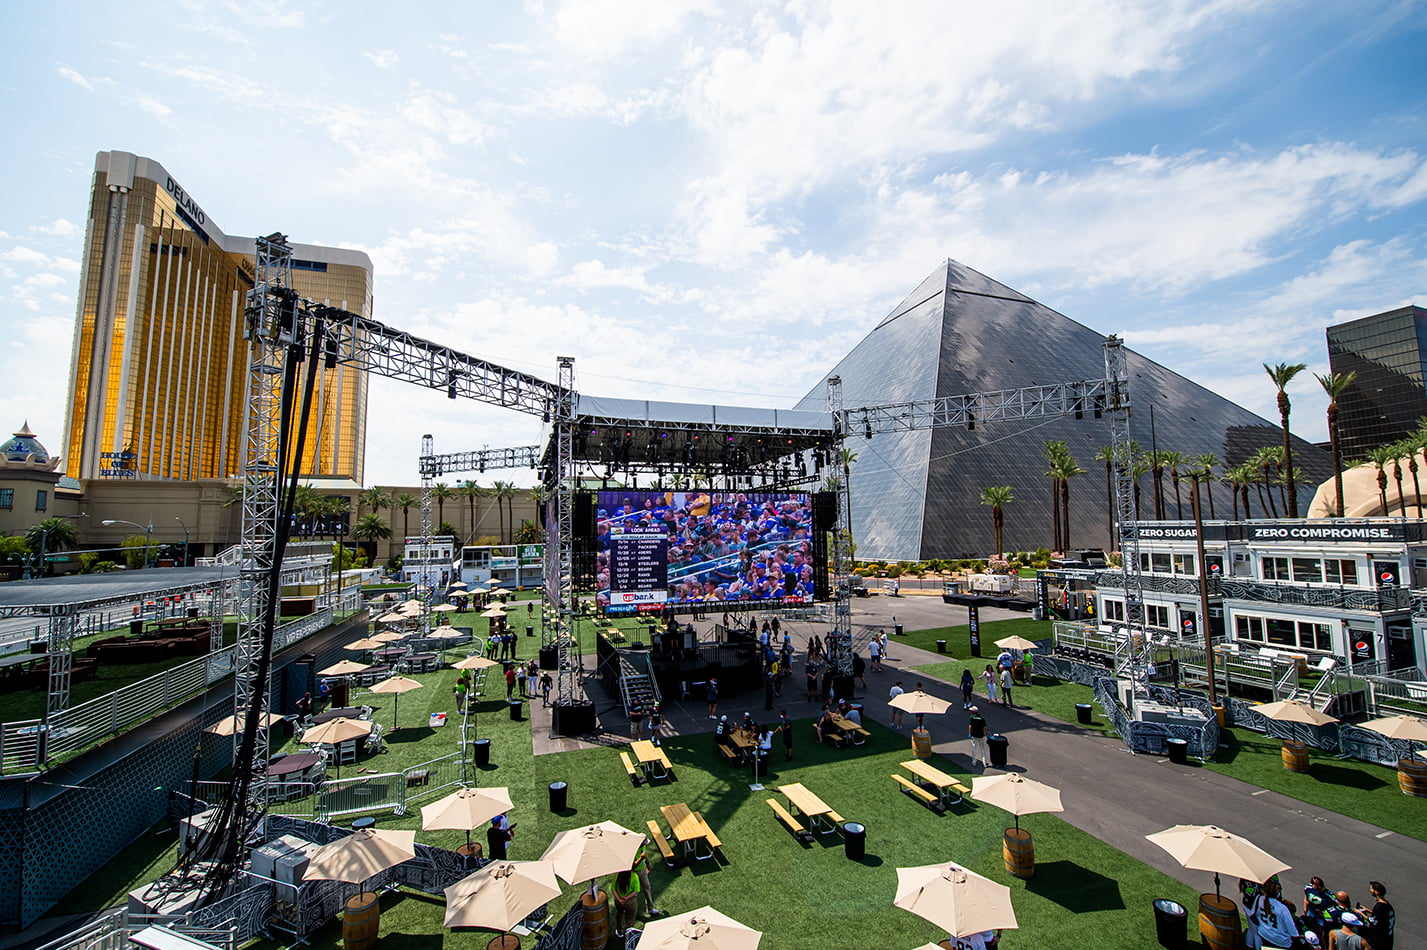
(637, 689)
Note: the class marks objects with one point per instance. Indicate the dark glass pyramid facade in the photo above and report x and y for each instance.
(915, 495)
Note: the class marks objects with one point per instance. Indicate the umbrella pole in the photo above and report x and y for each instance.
(1216, 883)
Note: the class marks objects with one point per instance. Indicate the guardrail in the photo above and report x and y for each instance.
(29, 744)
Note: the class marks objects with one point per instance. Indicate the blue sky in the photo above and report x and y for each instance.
(713, 202)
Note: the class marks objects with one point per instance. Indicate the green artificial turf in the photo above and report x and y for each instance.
(1349, 787)
(804, 896)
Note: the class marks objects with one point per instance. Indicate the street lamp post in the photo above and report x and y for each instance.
(185, 539)
(45, 532)
(148, 530)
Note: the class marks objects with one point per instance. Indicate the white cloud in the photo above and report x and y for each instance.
(606, 29)
(382, 58)
(58, 228)
(73, 76)
(542, 257)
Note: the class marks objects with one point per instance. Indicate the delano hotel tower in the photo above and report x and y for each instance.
(158, 378)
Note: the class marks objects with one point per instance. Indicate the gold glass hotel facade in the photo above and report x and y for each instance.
(158, 376)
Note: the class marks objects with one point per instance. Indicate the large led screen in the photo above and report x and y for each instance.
(662, 549)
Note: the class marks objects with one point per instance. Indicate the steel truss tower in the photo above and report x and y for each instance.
(428, 480)
(839, 646)
(268, 334)
(1132, 654)
(561, 580)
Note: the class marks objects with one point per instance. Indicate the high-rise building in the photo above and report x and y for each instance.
(916, 494)
(158, 378)
(1388, 396)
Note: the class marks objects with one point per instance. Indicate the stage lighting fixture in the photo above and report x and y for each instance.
(1097, 406)
(867, 427)
(545, 416)
(970, 420)
(483, 466)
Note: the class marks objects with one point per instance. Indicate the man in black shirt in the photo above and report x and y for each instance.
(976, 731)
(1379, 932)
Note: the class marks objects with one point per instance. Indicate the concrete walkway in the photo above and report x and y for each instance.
(1108, 792)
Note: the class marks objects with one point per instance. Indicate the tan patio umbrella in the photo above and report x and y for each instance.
(366, 643)
(959, 901)
(231, 724)
(501, 894)
(447, 633)
(396, 685)
(457, 584)
(1016, 794)
(495, 610)
(465, 810)
(920, 703)
(392, 617)
(479, 590)
(344, 668)
(475, 663)
(388, 636)
(360, 856)
(445, 608)
(702, 929)
(1016, 643)
(500, 590)
(584, 854)
(1408, 728)
(337, 730)
(1295, 753)
(1210, 848)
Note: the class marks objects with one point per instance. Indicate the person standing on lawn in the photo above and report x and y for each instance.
(785, 726)
(1006, 680)
(968, 686)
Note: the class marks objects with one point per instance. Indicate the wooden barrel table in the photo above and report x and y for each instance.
(1019, 853)
(1295, 756)
(361, 920)
(922, 743)
(595, 935)
(1412, 777)
(1219, 923)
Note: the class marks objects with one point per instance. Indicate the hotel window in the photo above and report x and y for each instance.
(1249, 628)
(1308, 570)
(7, 498)
(1114, 610)
(1275, 568)
(1157, 615)
(42, 500)
(1340, 571)
(1184, 564)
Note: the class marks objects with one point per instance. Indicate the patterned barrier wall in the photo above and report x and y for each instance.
(60, 826)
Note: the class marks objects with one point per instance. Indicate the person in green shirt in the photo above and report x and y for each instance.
(626, 901)
(641, 868)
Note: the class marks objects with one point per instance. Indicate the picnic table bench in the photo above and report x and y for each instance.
(793, 825)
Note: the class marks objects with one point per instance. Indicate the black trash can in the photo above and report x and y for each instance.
(558, 792)
(530, 630)
(996, 747)
(896, 630)
(549, 656)
(1170, 924)
(481, 749)
(854, 840)
(1178, 750)
(363, 823)
(1082, 713)
(514, 705)
(941, 646)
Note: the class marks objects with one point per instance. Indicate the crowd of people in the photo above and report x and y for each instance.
(1325, 918)
(720, 547)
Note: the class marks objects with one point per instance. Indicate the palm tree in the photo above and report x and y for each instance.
(1409, 447)
(1282, 374)
(997, 496)
(1335, 385)
(1054, 450)
(1156, 460)
(1231, 477)
(440, 492)
(1173, 460)
(1139, 468)
(376, 498)
(1106, 454)
(470, 491)
(370, 529)
(405, 501)
(1206, 461)
(1398, 450)
(1066, 468)
(1263, 462)
(1380, 457)
(50, 535)
(503, 492)
(845, 458)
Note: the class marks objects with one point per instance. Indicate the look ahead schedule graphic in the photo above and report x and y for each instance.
(638, 567)
(656, 549)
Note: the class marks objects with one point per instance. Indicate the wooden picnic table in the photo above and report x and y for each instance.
(689, 828)
(856, 734)
(948, 787)
(652, 758)
(811, 806)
